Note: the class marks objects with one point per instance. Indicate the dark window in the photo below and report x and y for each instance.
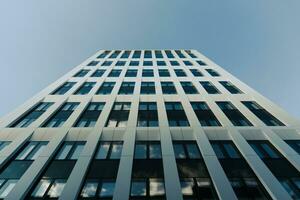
(106, 88)
(190, 54)
(106, 63)
(147, 115)
(131, 73)
(85, 88)
(104, 54)
(115, 73)
(196, 72)
(147, 73)
(188, 63)
(90, 115)
(242, 178)
(295, 144)
(64, 88)
(147, 63)
(186, 150)
(168, 88)
(204, 114)
(233, 114)
(125, 54)
(61, 115)
(161, 63)
(147, 188)
(32, 115)
(164, 73)
(127, 88)
(136, 54)
(158, 54)
(82, 73)
(180, 72)
(118, 116)
(189, 88)
(93, 63)
(230, 87)
(176, 114)
(115, 54)
(120, 63)
(134, 63)
(148, 54)
(147, 150)
(201, 62)
(98, 73)
(169, 54)
(212, 72)
(174, 63)
(104, 187)
(209, 87)
(180, 54)
(264, 149)
(262, 114)
(148, 88)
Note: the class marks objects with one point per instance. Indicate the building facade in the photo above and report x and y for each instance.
(149, 124)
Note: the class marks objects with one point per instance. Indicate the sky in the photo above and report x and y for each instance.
(257, 41)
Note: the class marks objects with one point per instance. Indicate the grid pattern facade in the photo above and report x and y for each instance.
(149, 124)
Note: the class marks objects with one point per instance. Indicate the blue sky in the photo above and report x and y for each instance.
(257, 41)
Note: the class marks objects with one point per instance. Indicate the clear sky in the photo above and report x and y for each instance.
(257, 41)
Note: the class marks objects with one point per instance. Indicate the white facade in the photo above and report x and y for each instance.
(163, 133)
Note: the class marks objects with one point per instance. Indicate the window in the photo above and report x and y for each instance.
(98, 73)
(134, 63)
(225, 149)
(209, 87)
(104, 54)
(32, 115)
(158, 54)
(85, 88)
(147, 150)
(196, 72)
(125, 54)
(147, 188)
(176, 114)
(148, 73)
(127, 88)
(115, 73)
(147, 88)
(70, 151)
(233, 114)
(60, 116)
(82, 73)
(190, 54)
(105, 189)
(262, 114)
(180, 54)
(106, 88)
(161, 63)
(120, 63)
(106, 63)
(164, 73)
(180, 73)
(64, 88)
(174, 63)
(197, 188)
(49, 188)
(31, 151)
(147, 63)
(131, 73)
(3, 144)
(147, 115)
(119, 115)
(93, 63)
(295, 144)
(115, 54)
(189, 88)
(212, 72)
(230, 87)
(90, 115)
(148, 54)
(109, 150)
(201, 63)
(186, 150)
(204, 114)
(6, 187)
(264, 149)
(169, 54)
(188, 63)
(168, 88)
(136, 54)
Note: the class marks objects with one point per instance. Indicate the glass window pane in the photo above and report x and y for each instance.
(76, 153)
(102, 151)
(7, 187)
(157, 187)
(36, 152)
(26, 151)
(231, 151)
(193, 151)
(140, 151)
(56, 188)
(41, 188)
(116, 151)
(218, 151)
(138, 188)
(154, 151)
(89, 189)
(269, 151)
(107, 189)
(187, 186)
(179, 151)
(63, 153)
